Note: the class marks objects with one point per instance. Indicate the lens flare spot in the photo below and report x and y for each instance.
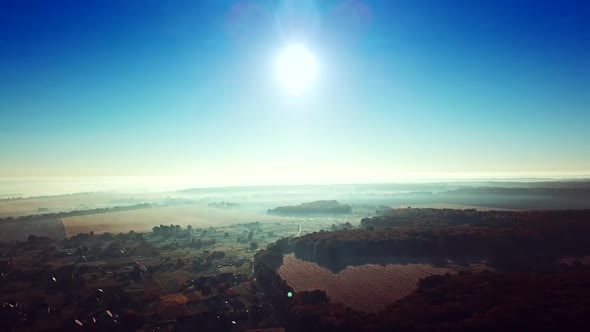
(296, 69)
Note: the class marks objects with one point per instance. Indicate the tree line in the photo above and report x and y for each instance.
(58, 215)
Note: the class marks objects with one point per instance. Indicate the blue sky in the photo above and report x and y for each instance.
(404, 89)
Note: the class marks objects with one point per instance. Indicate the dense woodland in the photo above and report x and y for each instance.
(454, 217)
(529, 240)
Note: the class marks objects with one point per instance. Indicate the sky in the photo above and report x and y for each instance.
(404, 89)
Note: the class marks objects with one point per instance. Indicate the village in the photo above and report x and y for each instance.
(155, 281)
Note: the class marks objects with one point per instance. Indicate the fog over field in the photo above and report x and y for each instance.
(143, 220)
(141, 203)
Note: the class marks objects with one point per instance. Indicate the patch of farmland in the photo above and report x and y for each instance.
(366, 288)
(176, 298)
(81, 201)
(145, 219)
(20, 230)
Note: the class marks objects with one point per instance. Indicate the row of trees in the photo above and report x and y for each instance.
(312, 208)
(172, 231)
(58, 215)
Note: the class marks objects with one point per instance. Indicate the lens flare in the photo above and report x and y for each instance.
(296, 69)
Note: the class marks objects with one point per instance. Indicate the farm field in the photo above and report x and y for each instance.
(21, 230)
(81, 201)
(145, 219)
(365, 288)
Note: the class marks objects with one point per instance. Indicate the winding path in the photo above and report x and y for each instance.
(299, 233)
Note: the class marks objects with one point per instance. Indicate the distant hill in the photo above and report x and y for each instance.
(312, 208)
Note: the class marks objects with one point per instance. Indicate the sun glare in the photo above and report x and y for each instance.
(296, 69)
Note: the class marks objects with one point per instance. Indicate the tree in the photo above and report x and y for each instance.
(314, 297)
(253, 246)
(206, 290)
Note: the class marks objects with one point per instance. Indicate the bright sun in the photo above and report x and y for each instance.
(296, 69)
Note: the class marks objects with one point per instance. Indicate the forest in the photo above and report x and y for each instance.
(524, 240)
(527, 288)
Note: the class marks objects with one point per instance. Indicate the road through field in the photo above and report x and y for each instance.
(300, 225)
